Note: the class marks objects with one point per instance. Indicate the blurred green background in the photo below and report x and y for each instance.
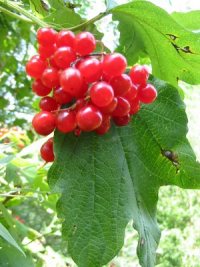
(27, 206)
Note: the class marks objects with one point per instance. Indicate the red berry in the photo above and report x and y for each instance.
(61, 96)
(109, 108)
(122, 121)
(77, 62)
(135, 106)
(46, 36)
(52, 62)
(132, 93)
(40, 89)
(64, 56)
(82, 92)
(104, 127)
(46, 51)
(139, 74)
(65, 38)
(122, 109)
(46, 150)
(47, 103)
(114, 64)
(80, 103)
(85, 43)
(90, 69)
(50, 77)
(89, 118)
(66, 121)
(71, 81)
(35, 67)
(106, 77)
(147, 94)
(44, 123)
(35, 57)
(101, 94)
(121, 84)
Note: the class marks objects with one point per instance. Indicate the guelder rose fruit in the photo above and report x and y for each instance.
(82, 89)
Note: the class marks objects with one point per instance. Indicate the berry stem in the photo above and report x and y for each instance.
(101, 45)
(72, 107)
(62, 109)
(95, 54)
(127, 70)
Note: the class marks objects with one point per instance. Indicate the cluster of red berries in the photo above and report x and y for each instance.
(83, 90)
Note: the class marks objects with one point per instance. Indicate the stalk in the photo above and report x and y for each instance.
(14, 15)
(27, 14)
(30, 18)
(88, 22)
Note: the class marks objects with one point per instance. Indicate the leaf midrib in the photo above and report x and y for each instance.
(139, 213)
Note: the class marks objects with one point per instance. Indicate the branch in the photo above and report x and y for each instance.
(9, 197)
(31, 18)
(88, 22)
(40, 237)
(14, 15)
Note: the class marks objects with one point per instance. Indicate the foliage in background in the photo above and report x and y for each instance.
(39, 229)
(30, 214)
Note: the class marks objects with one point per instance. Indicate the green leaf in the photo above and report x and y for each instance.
(39, 7)
(12, 174)
(7, 236)
(10, 257)
(64, 18)
(57, 4)
(106, 181)
(173, 50)
(190, 20)
(169, 128)
(131, 44)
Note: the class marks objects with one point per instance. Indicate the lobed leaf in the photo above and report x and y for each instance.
(173, 50)
(190, 20)
(39, 7)
(64, 18)
(106, 181)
